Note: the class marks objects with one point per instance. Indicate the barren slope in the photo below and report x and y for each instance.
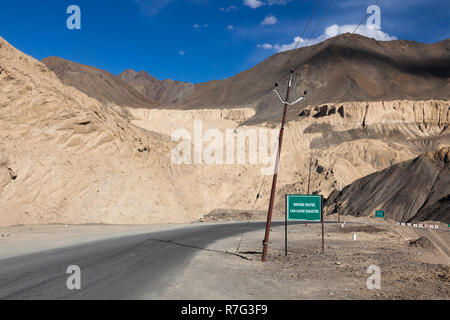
(345, 68)
(345, 141)
(415, 190)
(96, 83)
(165, 92)
(66, 158)
(342, 69)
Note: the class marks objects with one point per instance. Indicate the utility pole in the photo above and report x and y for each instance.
(309, 175)
(275, 176)
(309, 181)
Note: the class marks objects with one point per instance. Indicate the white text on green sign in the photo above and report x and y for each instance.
(304, 208)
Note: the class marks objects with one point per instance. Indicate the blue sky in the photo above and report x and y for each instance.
(200, 40)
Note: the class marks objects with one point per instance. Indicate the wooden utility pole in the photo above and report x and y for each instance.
(275, 176)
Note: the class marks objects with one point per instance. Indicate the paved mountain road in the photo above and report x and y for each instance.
(129, 267)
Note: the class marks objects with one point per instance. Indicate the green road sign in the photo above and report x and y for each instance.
(304, 208)
(379, 214)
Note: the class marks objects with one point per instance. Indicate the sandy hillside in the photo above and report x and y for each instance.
(66, 158)
(345, 142)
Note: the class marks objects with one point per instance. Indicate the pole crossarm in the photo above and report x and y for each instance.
(286, 102)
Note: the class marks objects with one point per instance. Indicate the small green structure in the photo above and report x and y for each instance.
(379, 214)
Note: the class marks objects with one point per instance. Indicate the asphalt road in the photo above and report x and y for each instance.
(130, 267)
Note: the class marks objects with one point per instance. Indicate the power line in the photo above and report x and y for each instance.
(314, 32)
(289, 64)
(258, 195)
(273, 192)
(273, 151)
(365, 16)
(302, 34)
(307, 24)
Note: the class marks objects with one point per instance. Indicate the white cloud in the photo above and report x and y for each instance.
(330, 32)
(230, 8)
(181, 53)
(277, 2)
(335, 30)
(198, 27)
(284, 47)
(266, 46)
(259, 3)
(253, 3)
(269, 20)
(230, 27)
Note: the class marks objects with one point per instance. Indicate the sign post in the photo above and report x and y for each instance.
(285, 225)
(323, 224)
(304, 208)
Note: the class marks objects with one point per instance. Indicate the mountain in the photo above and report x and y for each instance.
(414, 190)
(96, 83)
(166, 92)
(345, 68)
(370, 106)
(67, 158)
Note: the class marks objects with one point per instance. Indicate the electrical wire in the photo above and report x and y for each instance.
(273, 151)
(289, 65)
(314, 32)
(257, 196)
(365, 16)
